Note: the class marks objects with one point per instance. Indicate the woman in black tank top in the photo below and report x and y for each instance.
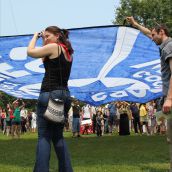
(56, 54)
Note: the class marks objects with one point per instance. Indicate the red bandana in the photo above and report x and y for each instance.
(67, 51)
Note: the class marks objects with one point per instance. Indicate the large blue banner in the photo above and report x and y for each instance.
(111, 63)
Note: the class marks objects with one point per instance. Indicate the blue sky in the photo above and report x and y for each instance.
(19, 17)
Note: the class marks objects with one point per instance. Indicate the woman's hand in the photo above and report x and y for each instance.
(36, 35)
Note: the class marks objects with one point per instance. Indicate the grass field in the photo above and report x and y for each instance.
(91, 154)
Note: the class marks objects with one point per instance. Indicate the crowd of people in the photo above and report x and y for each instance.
(116, 117)
(15, 119)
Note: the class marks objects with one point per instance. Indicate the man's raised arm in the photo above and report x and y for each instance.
(143, 29)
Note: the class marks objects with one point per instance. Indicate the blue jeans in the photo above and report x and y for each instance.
(76, 125)
(48, 131)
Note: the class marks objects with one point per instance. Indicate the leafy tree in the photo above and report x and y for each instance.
(146, 12)
(5, 99)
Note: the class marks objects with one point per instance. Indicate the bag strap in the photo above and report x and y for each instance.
(60, 66)
(60, 71)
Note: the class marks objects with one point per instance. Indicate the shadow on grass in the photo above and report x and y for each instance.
(145, 152)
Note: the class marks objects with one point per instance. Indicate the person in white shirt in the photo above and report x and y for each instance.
(86, 112)
(33, 122)
(86, 118)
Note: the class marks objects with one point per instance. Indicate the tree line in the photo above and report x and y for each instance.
(146, 12)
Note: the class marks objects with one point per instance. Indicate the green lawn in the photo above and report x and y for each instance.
(91, 154)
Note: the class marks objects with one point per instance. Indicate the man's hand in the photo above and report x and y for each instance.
(131, 21)
(167, 106)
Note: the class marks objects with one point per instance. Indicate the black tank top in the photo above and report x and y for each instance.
(57, 72)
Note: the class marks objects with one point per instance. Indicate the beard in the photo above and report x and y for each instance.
(158, 41)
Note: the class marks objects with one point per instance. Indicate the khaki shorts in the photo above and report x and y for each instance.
(143, 119)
